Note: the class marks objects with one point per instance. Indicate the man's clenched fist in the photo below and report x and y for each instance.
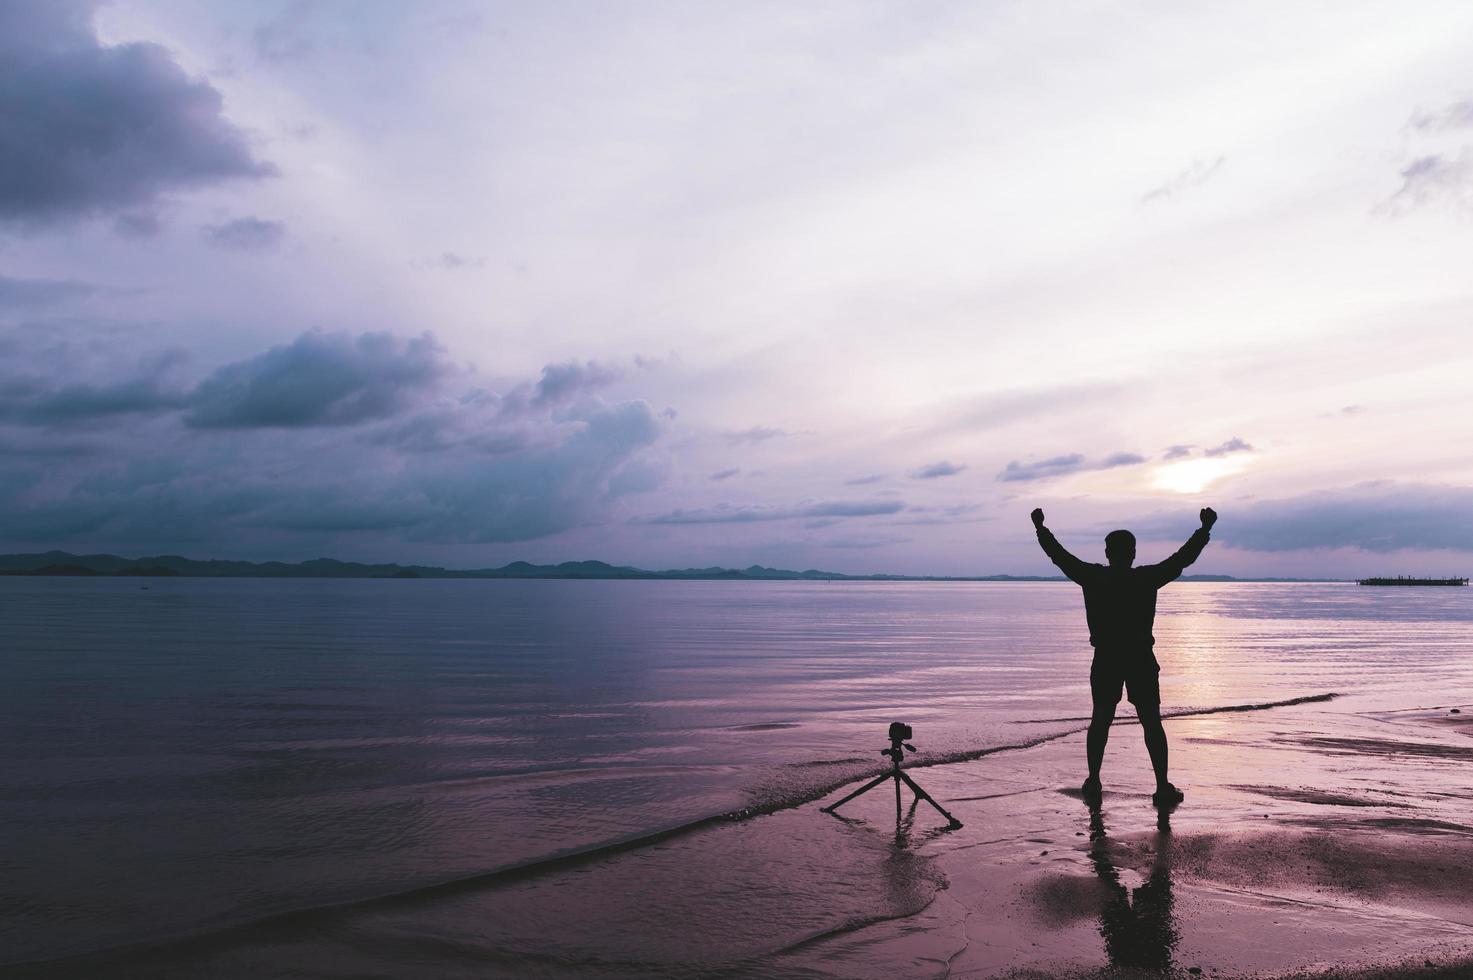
(1209, 517)
(1037, 516)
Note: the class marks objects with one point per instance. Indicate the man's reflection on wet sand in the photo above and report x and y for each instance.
(1139, 927)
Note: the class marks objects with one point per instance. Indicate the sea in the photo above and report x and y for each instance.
(190, 768)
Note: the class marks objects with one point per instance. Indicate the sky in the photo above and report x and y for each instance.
(850, 286)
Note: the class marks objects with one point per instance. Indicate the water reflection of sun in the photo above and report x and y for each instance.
(1195, 475)
(1191, 654)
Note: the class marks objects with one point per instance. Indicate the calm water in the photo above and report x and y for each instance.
(183, 758)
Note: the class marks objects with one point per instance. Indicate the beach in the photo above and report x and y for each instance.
(1316, 840)
(302, 828)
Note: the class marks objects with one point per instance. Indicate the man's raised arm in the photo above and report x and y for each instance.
(1172, 567)
(1068, 564)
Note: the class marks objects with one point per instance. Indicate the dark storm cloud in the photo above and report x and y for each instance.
(21, 293)
(1045, 469)
(247, 234)
(1375, 517)
(320, 379)
(729, 514)
(57, 385)
(1233, 445)
(86, 127)
(934, 471)
(334, 463)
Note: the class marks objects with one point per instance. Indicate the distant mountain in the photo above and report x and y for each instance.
(65, 563)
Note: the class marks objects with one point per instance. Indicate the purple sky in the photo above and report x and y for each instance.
(847, 286)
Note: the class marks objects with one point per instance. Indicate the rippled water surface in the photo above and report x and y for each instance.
(201, 753)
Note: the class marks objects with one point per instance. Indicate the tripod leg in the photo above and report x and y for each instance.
(863, 789)
(922, 794)
(897, 798)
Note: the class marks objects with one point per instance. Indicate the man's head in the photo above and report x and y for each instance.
(1120, 549)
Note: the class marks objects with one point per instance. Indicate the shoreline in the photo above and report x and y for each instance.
(1333, 834)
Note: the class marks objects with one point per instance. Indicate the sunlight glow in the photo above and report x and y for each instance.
(1195, 475)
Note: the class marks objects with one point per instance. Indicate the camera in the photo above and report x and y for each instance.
(900, 731)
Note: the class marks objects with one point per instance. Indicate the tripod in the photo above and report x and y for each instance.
(899, 732)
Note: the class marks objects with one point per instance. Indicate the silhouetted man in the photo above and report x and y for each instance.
(1120, 605)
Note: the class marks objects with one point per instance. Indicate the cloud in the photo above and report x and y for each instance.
(1194, 176)
(1120, 459)
(25, 293)
(1435, 180)
(320, 379)
(861, 481)
(1233, 445)
(935, 471)
(861, 541)
(247, 234)
(1180, 451)
(450, 262)
(729, 514)
(561, 382)
(1455, 115)
(138, 224)
(952, 514)
(756, 434)
(1056, 466)
(1000, 409)
(286, 36)
(88, 128)
(1379, 517)
(56, 384)
(725, 474)
(542, 470)
(1043, 469)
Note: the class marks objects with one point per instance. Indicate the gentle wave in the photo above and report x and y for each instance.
(1193, 712)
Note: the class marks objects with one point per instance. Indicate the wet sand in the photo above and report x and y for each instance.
(1316, 840)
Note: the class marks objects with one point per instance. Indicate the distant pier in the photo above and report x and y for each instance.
(1410, 580)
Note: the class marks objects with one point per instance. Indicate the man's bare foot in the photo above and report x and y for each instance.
(1092, 790)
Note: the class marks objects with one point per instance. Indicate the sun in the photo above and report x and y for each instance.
(1195, 475)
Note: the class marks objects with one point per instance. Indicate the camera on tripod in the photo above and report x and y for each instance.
(899, 732)
(900, 735)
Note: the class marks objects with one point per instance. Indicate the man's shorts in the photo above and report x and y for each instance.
(1140, 678)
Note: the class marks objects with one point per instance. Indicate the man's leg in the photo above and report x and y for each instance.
(1105, 688)
(1099, 734)
(1150, 717)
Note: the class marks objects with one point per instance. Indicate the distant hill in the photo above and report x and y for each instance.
(65, 563)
